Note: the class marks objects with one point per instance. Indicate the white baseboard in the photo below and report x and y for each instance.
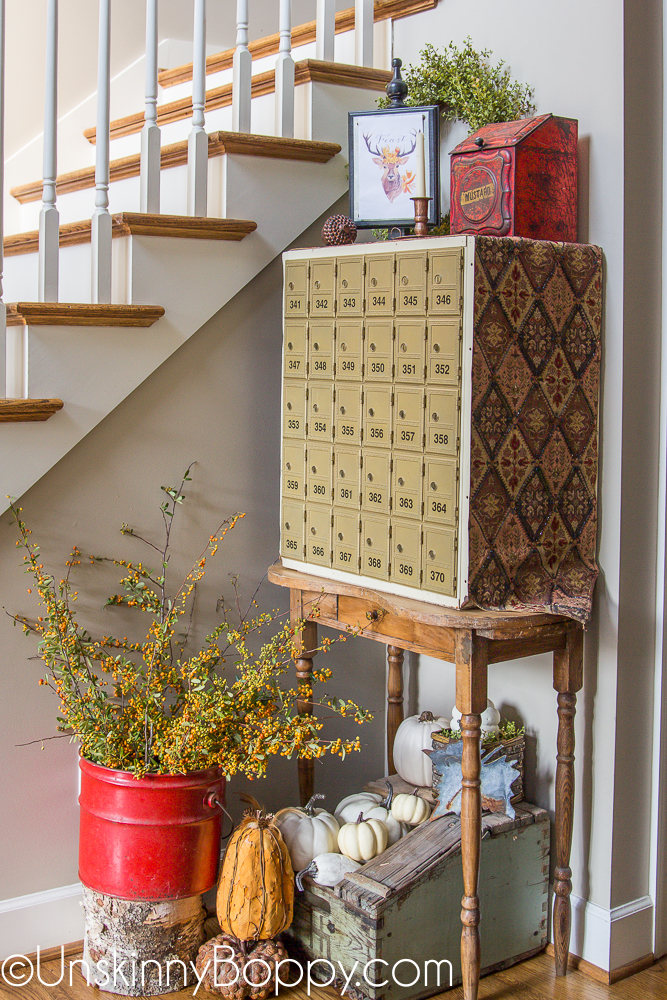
(612, 938)
(42, 919)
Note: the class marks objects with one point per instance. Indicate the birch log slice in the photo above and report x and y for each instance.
(140, 947)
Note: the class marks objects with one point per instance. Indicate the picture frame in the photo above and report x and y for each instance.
(382, 151)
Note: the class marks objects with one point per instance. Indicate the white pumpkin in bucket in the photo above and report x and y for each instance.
(413, 736)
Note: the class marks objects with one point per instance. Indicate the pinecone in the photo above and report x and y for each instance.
(270, 952)
(220, 978)
(338, 231)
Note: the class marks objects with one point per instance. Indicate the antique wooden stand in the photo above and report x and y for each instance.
(471, 640)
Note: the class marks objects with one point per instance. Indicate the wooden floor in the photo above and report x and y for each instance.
(531, 980)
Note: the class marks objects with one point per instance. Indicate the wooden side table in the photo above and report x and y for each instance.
(471, 640)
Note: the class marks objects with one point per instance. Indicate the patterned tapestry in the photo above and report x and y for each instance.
(535, 382)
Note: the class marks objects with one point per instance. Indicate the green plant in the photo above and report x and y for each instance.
(508, 731)
(149, 706)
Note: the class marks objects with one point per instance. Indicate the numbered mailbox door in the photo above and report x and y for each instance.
(380, 285)
(444, 286)
(320, 412)
(439, 560)
(375, 547)
(410, 284)
(442, 421)
(296, 288)
(321, 350)
(349, 350)
(407, 485)
(375, 477)
(346, 541)
(410, 345)
(440, 489)
(294, 470)
(406, 539)
(409, 419)
(318, 535)
(377, 416)
(379, 350)
(350, 286)
(294, 409)
(322, 283)
(294, 349)
(293, 530)
(347, 413)
(319, 473)
(347, 478)
(444, 340)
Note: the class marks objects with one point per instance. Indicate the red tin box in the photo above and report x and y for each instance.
(517, 179)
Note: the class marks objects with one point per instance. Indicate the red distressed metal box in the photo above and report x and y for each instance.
(517, 179)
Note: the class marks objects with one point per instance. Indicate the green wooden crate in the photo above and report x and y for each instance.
(406, 904)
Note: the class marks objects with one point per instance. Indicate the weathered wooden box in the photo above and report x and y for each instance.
(406, 904)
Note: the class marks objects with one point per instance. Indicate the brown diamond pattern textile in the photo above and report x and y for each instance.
(535, 385)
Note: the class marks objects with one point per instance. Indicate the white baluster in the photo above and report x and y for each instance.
(198, 139)
(325, 30)
(285, 73)
(363, 32)
(3, 312)
(150, 134)
(49, 222)
(101, 221)
(241, 71)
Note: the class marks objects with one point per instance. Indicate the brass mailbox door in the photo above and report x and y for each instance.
(406, 539)
(439, 560)
(350, 286)
(411, 284)
(442, 421)
(444, 285)
(320, 412)
(444, 339)
(347, 478)
(375, 547)
(294, 470)
(294, 349)
(377, 416)
(409, 419)
(406, 493)
(293, 530)
(375, 477)
(346, 541)
(322, 285)
(440, 483)
(318, 535)
(296, 288)
(319, 473)
(380, 285)
(294, 409)
(347, 414)
(349, 350)
(321, 350)
(410, 347)
(379, 350)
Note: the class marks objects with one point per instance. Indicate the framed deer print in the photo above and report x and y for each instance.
(386, 169)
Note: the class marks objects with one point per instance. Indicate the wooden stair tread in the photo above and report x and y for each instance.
(137, 224)
(14, 411)
(305, 71)
(176, 155)
(81, 314)
(302, 34)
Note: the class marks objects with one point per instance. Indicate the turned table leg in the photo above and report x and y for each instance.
(394, 700)
(307, 642)
(568, 679)
(471, 679)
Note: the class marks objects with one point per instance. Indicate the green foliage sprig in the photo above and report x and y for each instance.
(508, 731)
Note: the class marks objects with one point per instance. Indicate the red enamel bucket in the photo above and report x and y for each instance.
(156, 837)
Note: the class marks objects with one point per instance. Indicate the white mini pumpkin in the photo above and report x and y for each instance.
(372, 807)
(411, 809)
(413, 736)
(327, 869)
(490, 719)
(362, 840)
(307, 832)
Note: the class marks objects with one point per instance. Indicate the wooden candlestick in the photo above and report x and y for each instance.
(421, 215)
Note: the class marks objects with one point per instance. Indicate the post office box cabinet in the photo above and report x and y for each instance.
(409, 418)
(375, 480)
(349, 350)
(320, 411)
(442, 421)
(444, 340)
(347, 477)
(346, 528)
(321, 349)
(294, 409)
(294, 470)
(375, 547)
(295, 349)
(406, 539)
(347, 414)
(379, 350)
(406, 492)
(322, 287)
(296, 288)
(411, 284)
(444, 284)
(410, 348)
(380, 285)
(377, 416)
(440, 490)
(293, 530)
(350, 286)
(318, 534)
(319, 473)
(439, 560)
